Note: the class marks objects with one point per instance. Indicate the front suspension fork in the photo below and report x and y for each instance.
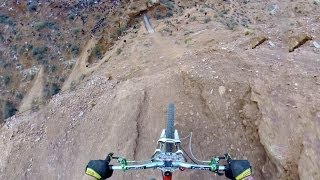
(167, 175)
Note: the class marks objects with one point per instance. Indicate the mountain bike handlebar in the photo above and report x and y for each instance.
(172, 165)
(169, 164)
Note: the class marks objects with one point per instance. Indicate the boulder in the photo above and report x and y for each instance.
(297, 41)
(138, 6)
(256, 41)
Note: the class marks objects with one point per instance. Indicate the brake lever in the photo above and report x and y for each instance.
(109, 157)
(227, 157)
(219, 173)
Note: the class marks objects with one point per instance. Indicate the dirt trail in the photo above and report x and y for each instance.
(35, 95)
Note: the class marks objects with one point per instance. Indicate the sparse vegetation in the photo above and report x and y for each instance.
(71, 15)
(168, 3)
(187, 40)
(206, 20)
(158, 15)
(41, 25)
(19, 95)
(119, 50)
(6, 79)
(231, 23)
(51, 89)
(166, 31)
(39, 53)
(4, 19)
(193, 18)
(32, 6)
(35, 105)
(25, 48)
(52, 68)
(30, 76)
(188, 32)
(169, 14)
(96, 51)
(75, 50)
(120, 31)
(1, 38)
(75, 30)
(9, 109)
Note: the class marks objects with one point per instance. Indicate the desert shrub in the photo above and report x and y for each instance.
(90, 2)
(6, 79)
(9, 109)
(168, 3)
(206, 20)
(120, 31)
(231, 23)
(4, 19)
(187, 40)
(188, 32)
(32, 6)
(75, 30)
(25, 48)
(18, 95)
(54, 89)
(158, 15)
(30, 76)
(193, 18)
(62, 79)
(41, 25)
(71, 16)
(35, 105)
(39, 53)
(169, 6)
(119, 50)
(75, 50)
(169, 14)
(96, 51)
(51, 89)
(52, 25)
(83, 18)
(52, 68)
(2, 63)
(1, 38)
(166, 31)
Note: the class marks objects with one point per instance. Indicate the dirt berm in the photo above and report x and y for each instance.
(259, 104)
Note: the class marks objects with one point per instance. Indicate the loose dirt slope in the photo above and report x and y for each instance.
(260, 104)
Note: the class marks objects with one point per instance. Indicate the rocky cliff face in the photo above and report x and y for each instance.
(238, 89)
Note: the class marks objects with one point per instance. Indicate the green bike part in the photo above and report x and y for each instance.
(214, 164)
(123, 162)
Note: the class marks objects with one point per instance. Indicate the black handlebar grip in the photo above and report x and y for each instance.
(109, 157)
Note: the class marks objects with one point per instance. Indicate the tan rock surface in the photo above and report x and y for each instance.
(267, 112)
(297, 41)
